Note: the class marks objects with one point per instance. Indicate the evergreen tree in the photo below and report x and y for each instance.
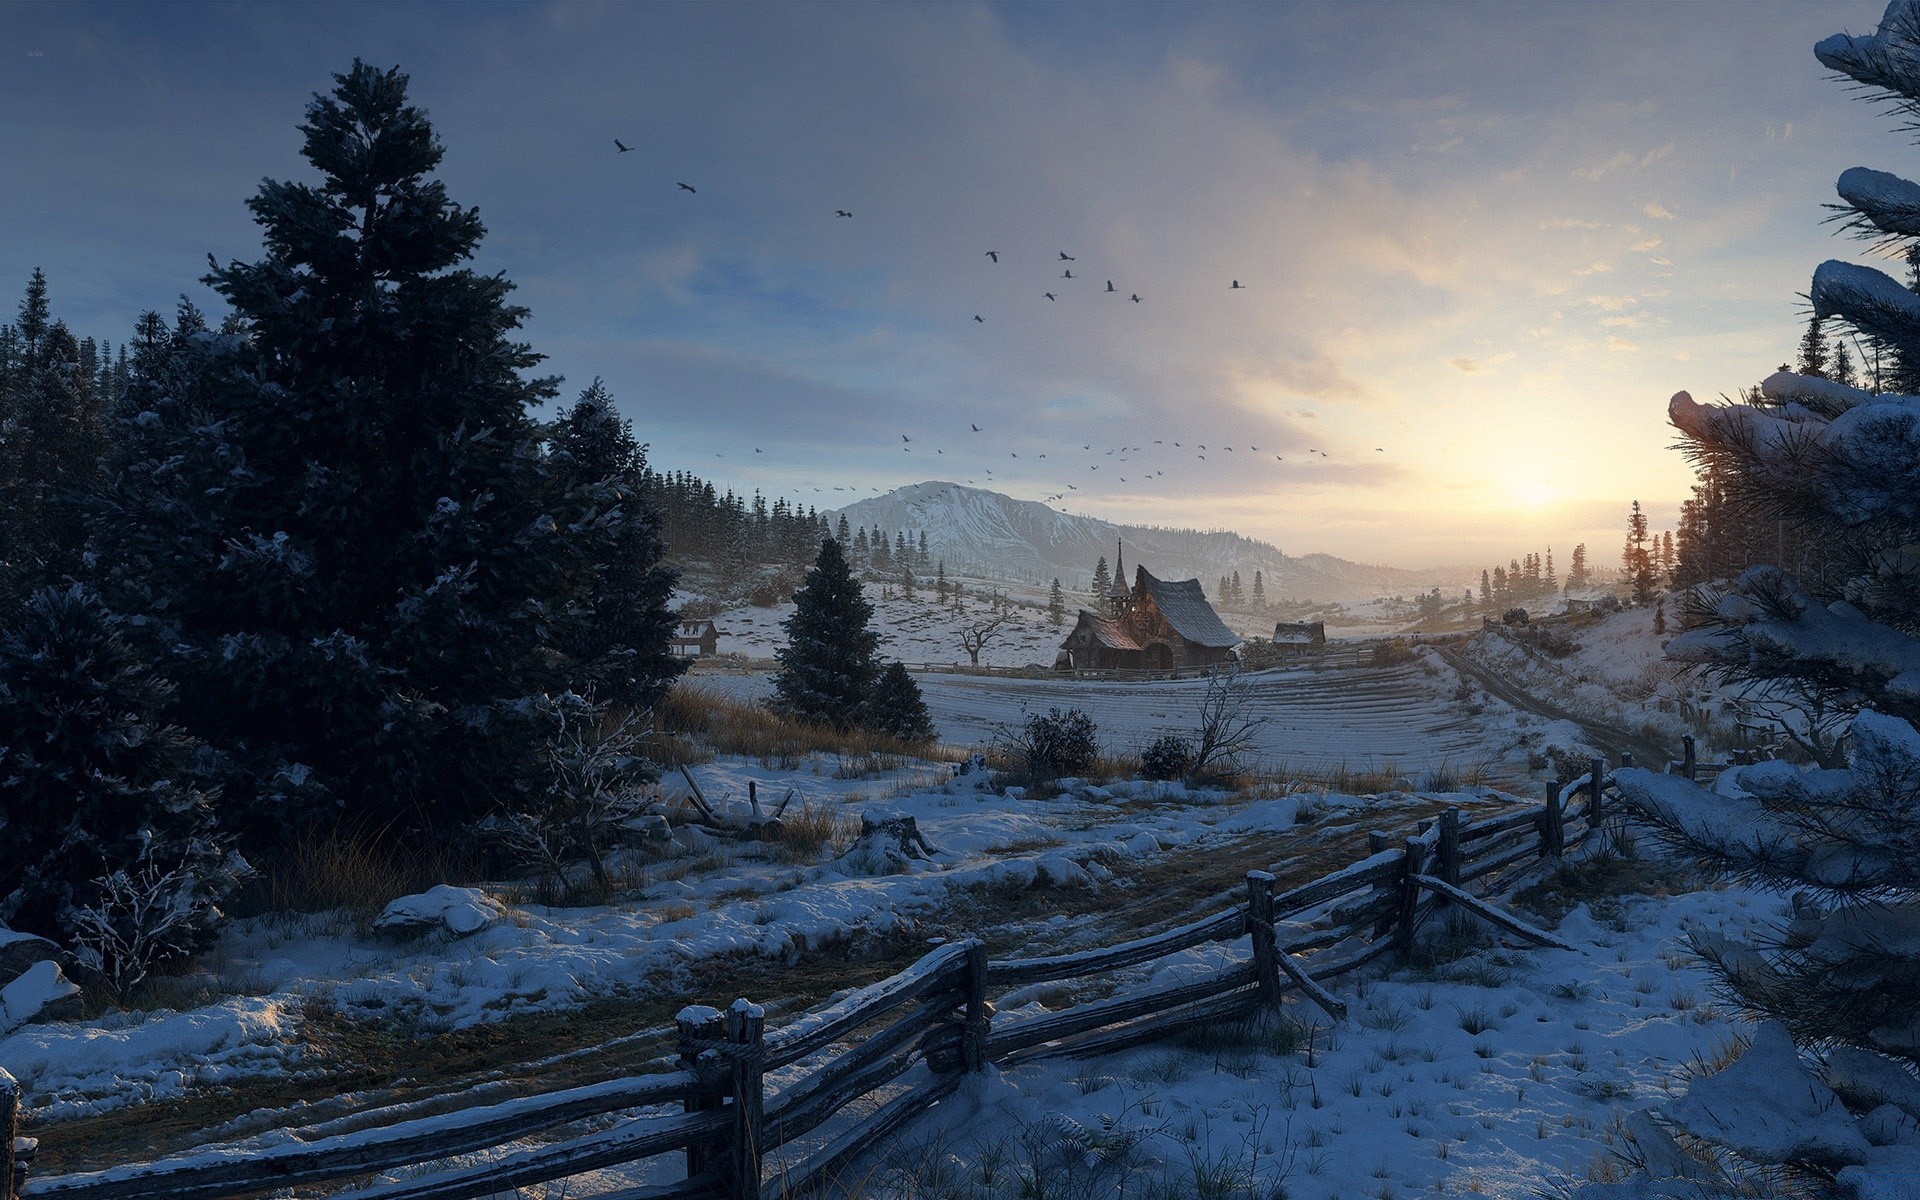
(1486, 590)
(897, 707)
(620, 632)
(1841, 644)
(1842, 365)
(1550, 584)
(940, 582)
(907, 581)
(1637, 562)
(1056, 604)
(1101, 585)
(367, 610)
(1813, 350)
(827, 667)
(94, 779)
(1578, 576)
(841, 531)
(1259, 592)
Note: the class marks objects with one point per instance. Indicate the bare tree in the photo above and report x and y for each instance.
(974, 638)
(1227, 727)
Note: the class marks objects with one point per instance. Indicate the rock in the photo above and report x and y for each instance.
(651, 827)
(1889, 1126)
(456, 911)
(1766, 1108)
(18, 951)
(1890, 1173)
(39, 993)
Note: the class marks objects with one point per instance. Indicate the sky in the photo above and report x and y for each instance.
(1479, 244)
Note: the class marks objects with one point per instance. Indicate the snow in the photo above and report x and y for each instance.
(1766, 1107)
(33, 990)
(459, 911)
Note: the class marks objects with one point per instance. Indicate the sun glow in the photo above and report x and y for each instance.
(1532, 493)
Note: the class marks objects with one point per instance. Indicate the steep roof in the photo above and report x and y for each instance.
(1107, 631)
(1185, 607)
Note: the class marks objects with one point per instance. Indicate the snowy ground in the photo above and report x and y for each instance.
(1494, 1075)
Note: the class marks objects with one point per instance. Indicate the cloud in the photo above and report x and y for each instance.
(1571, 223)
(1599, 268)
(1595, 173)
(1465, 366)
(1620, 345)
(1612, 303)
(1646, 244)
(1656, 210)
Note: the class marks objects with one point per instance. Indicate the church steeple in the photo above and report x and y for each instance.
(1118, 593)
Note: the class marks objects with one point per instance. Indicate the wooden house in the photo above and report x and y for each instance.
(1156, 624)
(1299, 638)
(696, 639)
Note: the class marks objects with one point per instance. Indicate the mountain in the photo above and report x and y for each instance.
(987, 535)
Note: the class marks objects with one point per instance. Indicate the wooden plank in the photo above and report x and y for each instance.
(1305, 983)
(935, 972)
(1375, 870)
(9, 1130)
(222, 1169)
(746, 1030)
(1553, 827)
(884, 1045)
(1112, 1011)
(1446, 850)
(1485, 827)
(1519, 854)
(977, 1015)
(819, 1169)
(706, 1187)
(1408, 915)
(1238, 1002)
(1488, 912)
(796, 1115)
(1496, 847)
(1266, 967)
(1016, 971)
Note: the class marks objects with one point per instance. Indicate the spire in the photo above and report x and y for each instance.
(1118, 593)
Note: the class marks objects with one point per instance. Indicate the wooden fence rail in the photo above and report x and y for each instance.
(915, 1035)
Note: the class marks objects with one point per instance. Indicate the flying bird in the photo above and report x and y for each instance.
(1067, 274)
(1065, 257)
(979, 318)
(1379, 449)
(976, 428)
(687, 187)
(1110, 285)
(841, 212)
(1135, 297)
(905, 438)
(623, 146)
(1236, 287)
(994, 255)
(1049, 295)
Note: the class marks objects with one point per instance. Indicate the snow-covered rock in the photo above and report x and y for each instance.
(458, 911)
(18, 951)
(1766, 1108)
(1868, 1080)
(40, 993)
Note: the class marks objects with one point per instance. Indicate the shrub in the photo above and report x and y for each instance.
(1169, 757)
(1053, 744)
(1515, 616)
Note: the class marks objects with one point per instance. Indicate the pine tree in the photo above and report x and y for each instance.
(1577, 574)
(1842, 370)
(1259, 593)
(940, 584)
(1835, 652)
(618, 633)
(1813, 350)
(841, 531)
(382, 579)
(907, 581)
(897, 708)
(1102, 584)
(93, 778)
(1056, 604)
(1486, 591)
(1635, 558)
(827, 667)
(1550, 584)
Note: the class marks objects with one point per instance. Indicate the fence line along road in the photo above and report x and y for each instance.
(708, 1126)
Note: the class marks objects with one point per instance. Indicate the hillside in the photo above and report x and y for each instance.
(986, 535)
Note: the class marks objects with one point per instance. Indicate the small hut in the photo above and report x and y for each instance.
(1299, 639)
(1157, 624)
(696, 639)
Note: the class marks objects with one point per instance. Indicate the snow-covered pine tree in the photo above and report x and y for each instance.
(827, 667)
(94, 779)
(897, 708)
(618, 636)
(1842, 466)
(1056, 604)
(381, 580)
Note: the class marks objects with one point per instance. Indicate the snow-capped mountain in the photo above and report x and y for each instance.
(987, 535)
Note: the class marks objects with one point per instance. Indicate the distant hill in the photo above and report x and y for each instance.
(987, 535)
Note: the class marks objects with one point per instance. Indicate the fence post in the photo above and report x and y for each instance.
(701, 1030)
(1626, 758)
(1596, 784)
(1266, 953)
(1688, 756)
(979, 1012)
(1448, 848)
(746, 1033)
(1416, 855)
(10, 1168)
(1553, 827)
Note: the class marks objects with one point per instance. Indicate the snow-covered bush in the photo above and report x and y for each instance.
(1051, 744)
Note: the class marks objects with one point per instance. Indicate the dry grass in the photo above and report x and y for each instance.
(357, 876)
(697, 719)
(817, 826)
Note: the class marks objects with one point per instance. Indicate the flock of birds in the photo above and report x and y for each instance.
(1120, 454)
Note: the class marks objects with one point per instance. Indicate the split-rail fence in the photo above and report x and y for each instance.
(914, 1037)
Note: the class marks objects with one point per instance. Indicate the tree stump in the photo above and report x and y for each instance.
(888, 843)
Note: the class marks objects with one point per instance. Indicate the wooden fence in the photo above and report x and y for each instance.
(920, 1034)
